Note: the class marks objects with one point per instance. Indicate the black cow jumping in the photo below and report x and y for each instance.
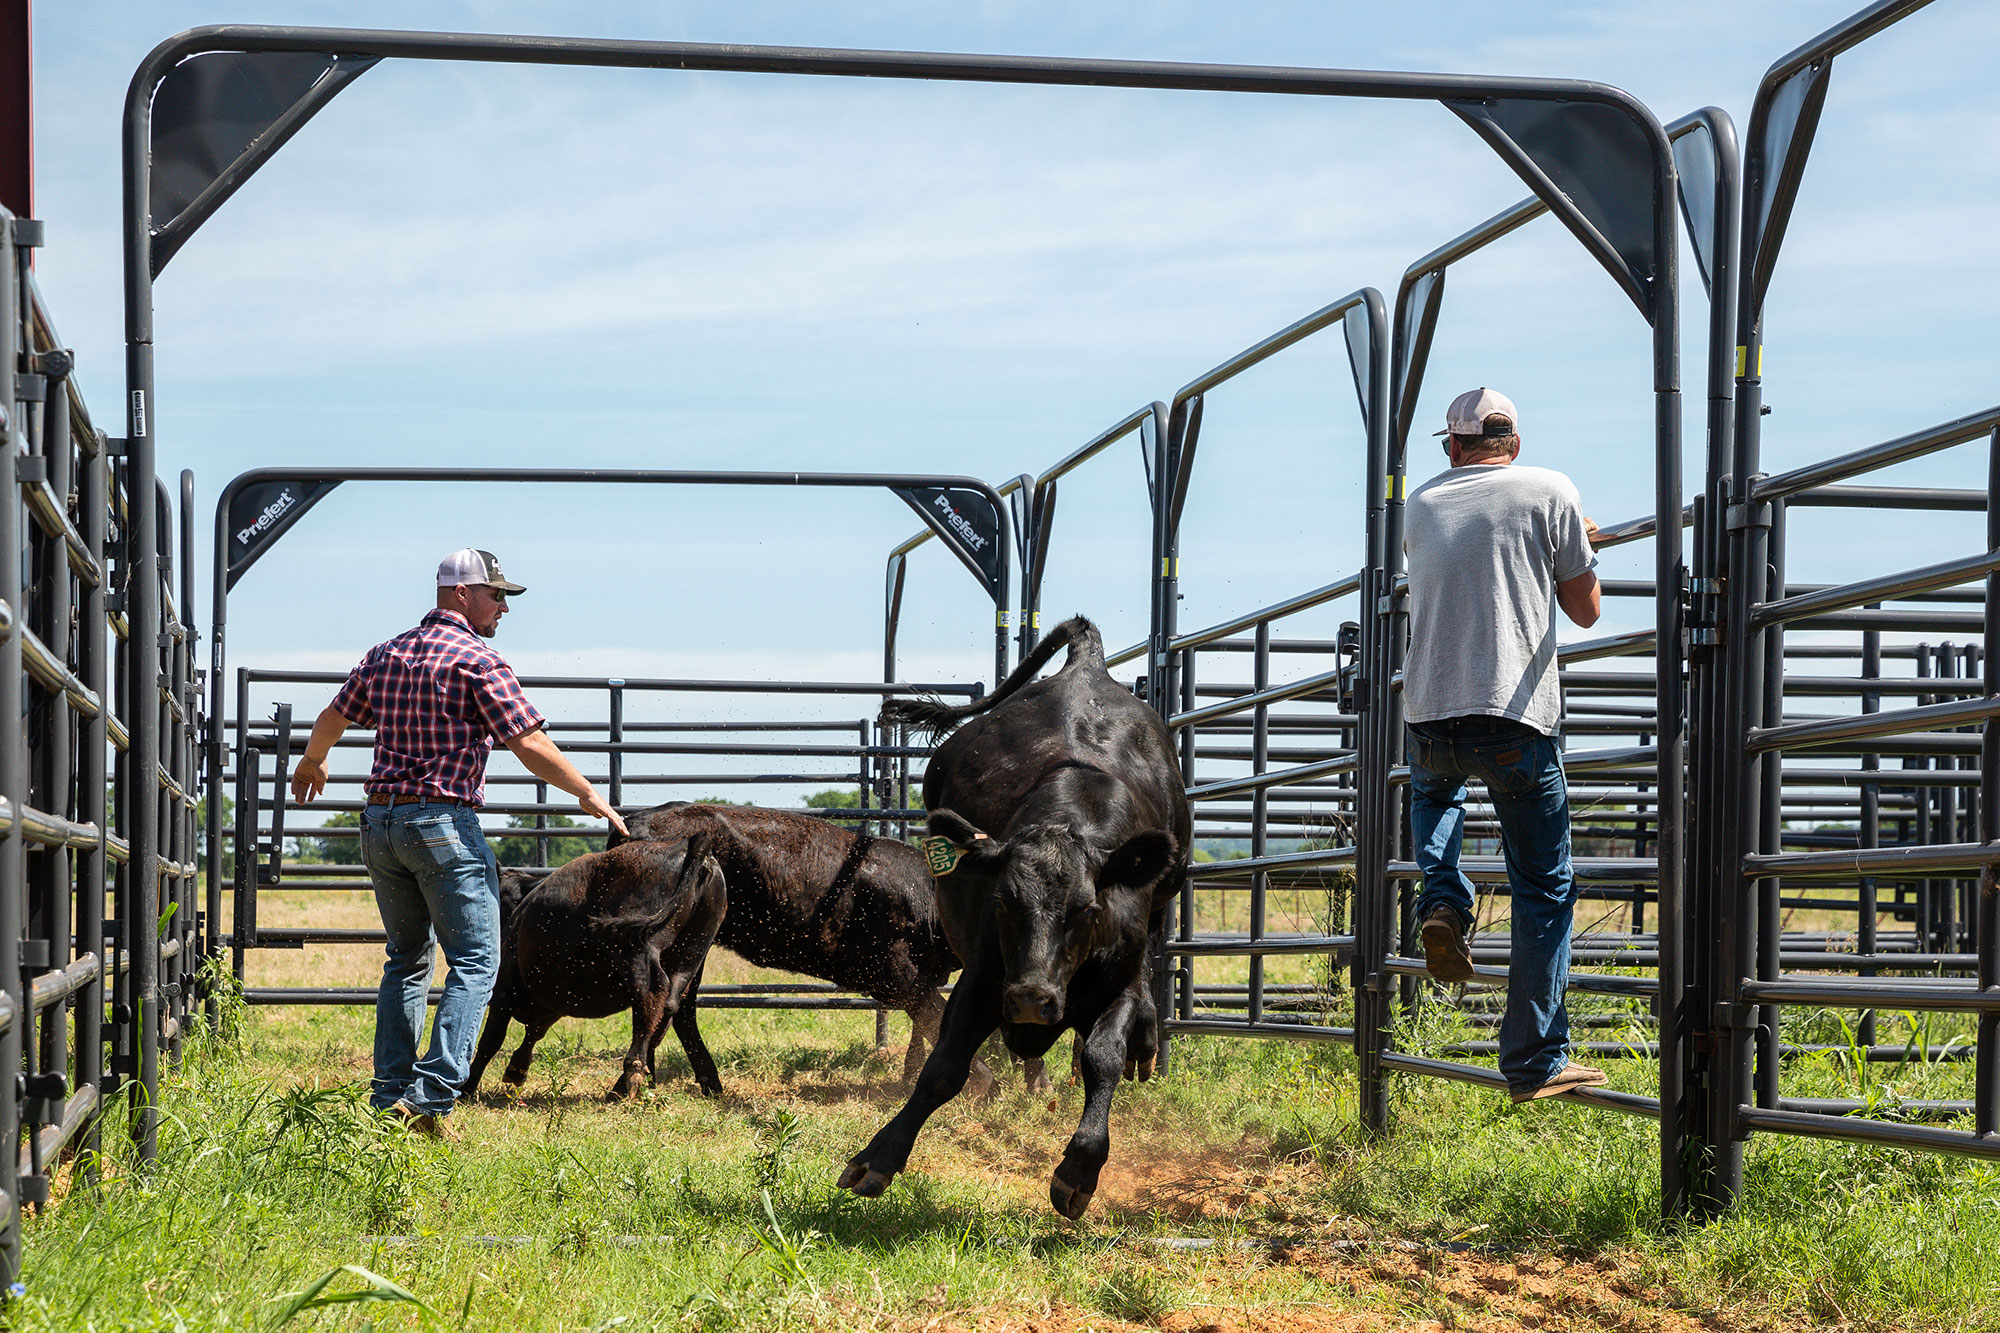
(812, 897)
(628, 928)
(1060, 830)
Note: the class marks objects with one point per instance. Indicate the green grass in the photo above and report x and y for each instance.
(562, 1212)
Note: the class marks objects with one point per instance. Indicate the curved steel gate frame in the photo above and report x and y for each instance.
(251, 876)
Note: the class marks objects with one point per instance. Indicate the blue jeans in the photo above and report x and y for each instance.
(435, 880)
(1523, 774)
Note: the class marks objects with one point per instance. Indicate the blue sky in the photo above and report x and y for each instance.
(463, 265)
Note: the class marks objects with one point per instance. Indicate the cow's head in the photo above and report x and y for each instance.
(1055, 897)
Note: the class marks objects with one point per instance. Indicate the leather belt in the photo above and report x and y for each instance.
(408, 798)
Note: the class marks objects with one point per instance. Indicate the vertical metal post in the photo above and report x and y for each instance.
(1770, 788)
(1260, 754)
(861, 774)
(1986, 1069)
(617, 738)
(542, 826)
(137, 808)
(1374, 739)
(1926, 797)
(93, 665)
(1870, 832)
(50, 870)
(13, 755)
(243, 925)
(1184, 965)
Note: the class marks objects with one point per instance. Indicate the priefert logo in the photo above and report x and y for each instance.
(960, 526)
(271, 513)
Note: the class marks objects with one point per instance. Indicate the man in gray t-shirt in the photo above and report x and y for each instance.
(1494, 549)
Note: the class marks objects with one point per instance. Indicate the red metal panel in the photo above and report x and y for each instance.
(17, 110)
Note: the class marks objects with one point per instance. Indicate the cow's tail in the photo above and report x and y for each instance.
(693, 855)
(931, 716)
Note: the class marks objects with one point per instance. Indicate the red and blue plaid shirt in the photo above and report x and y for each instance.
(438, 699)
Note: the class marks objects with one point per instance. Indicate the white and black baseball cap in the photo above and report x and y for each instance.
(1469, 413)
(473, 566)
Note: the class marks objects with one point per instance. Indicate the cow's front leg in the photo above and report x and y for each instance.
(970, 1016)
(1102, 1054)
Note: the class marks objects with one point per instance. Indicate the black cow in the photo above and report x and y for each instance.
(621, 929)
(812, 897)
(1060, 831)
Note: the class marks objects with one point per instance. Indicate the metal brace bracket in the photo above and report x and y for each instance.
(30, 388)
(28, 233)
(116, 446)
(1738, 1016)
(31, 470)
(1756, 514)
(1714, 587)
(1704, 635)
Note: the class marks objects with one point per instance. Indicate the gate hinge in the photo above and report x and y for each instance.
(28, 233)
(1740, 1016)
(30, 388)
(56, 363)
(1697, 586)
(1704, 635)
(31, 471)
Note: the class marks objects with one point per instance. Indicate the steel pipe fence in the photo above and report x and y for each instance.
(104, 945)
(270, 848)
(1683, 762)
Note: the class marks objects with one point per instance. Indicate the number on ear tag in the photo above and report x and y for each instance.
(942, 855)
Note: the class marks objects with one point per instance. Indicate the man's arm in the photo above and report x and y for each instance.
(541, 757)
(309, 774)
(1581, 598)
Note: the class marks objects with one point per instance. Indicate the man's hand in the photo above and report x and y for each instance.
(308, 779)
(539, 755)
(594, 805)
(1590, 531)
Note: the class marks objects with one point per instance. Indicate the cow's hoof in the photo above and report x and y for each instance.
(1068, 1200)
(864, 1179)
(1035, 1075)
(514, 1078)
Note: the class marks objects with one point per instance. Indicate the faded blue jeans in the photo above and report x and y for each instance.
(1523, 774)
(435, 881)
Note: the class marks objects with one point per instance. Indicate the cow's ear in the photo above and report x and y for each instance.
(951, 824)
(968, 844)
(1141, 861)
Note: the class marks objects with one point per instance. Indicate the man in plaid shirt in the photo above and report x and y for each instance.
(438, 699)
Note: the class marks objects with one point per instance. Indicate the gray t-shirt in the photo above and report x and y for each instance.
(1487, 545)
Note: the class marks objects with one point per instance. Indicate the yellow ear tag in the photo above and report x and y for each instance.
(942, 855)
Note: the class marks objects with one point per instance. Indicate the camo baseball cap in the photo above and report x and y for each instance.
(474, 566)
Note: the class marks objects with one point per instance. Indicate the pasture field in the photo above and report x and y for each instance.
(1239, 1196)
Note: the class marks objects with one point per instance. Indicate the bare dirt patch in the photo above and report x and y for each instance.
(1373, 1289)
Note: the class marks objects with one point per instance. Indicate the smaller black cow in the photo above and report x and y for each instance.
(623, 929)
(809, 896)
